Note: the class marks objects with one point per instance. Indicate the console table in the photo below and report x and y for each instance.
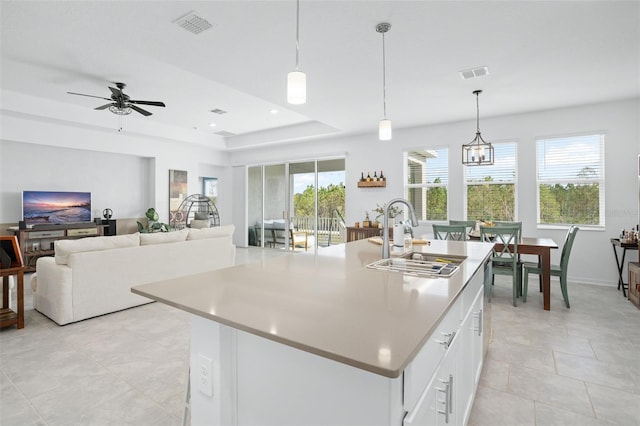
(615, 242)
(9, 317)
(38, 241)
(355, 234)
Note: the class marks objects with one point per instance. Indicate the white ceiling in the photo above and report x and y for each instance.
(540, 54)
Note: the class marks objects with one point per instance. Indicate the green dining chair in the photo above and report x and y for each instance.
(516, 224)
(504, 261)
(556, 270)
(450, 232)
(470, 224)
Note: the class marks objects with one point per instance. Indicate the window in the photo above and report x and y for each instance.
(570, 177)
(426, 184)
(491, 190)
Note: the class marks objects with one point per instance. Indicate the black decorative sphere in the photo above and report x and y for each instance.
(107, 213)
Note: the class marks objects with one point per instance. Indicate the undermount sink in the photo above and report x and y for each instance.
(420, 264)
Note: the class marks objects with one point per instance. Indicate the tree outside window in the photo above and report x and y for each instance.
(427, 181)
(491, 189)
(571, 180)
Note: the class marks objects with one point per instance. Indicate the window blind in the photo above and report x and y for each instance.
(503, 170)
(575, 158)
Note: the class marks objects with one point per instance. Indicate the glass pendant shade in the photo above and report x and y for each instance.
(296, 87)
(384, 130)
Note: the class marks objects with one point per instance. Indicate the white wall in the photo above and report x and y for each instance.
(116, 181)
(87, 155)
(592, 258)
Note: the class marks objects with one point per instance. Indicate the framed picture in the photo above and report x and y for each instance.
(210, 188)
(9, 245)
(178, 188)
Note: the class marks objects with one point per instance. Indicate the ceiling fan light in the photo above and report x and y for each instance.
(384, 130)
(296, 87)
(120, 111)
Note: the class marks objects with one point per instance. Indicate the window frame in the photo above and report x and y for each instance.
(601, 182)
(427, 186)
(466, 183)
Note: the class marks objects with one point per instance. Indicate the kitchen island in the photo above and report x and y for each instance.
(322, 339)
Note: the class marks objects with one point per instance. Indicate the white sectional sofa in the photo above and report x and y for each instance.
(93, 276)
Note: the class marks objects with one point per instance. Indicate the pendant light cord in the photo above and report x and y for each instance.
(384, 80)
(477, 112)
(297, 33)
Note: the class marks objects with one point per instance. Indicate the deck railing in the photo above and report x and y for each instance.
(331, 230)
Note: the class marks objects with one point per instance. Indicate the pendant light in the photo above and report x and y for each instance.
(384, 127)
(297, 80)
(477, 152)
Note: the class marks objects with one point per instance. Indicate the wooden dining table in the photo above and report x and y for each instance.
(540, 247)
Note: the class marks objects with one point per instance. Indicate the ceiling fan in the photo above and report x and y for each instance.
(120, 103)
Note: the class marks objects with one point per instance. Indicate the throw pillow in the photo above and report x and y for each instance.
(163, 237)
(199, 223)
(216, 232)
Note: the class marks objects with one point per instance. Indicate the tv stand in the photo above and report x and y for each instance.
(56, 226)
(37, 241)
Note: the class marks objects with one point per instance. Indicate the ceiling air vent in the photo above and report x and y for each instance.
(474, 72)
(218, 111)
(193, 23)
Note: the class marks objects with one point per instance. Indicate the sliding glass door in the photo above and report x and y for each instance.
(297, 205)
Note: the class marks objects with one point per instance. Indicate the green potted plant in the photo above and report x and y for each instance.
(152, 223)
(393, 212)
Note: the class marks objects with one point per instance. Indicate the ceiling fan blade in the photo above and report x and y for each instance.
(116, 92)
(104, 106)
(140, 110)
(90, 96)
(153, 103)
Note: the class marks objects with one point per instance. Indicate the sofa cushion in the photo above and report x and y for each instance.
(163, 237)
(64, 248)
(215, 232)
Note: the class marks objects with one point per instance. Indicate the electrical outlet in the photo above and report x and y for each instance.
(204, 377)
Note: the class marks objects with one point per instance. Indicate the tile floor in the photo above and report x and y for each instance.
(578, 366)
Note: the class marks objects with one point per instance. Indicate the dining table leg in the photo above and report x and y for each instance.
(546, 278)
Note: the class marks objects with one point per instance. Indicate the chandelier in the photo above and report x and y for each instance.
(477, 152)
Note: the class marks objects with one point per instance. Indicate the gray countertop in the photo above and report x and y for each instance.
(329, 303)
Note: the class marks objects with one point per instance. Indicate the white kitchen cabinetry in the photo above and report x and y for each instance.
(437, 403)
(470, 357)
(260, 381)
(448, 397)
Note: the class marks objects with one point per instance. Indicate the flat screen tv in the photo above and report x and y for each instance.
(55, 207)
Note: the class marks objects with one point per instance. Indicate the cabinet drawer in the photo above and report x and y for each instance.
(418, 373)
(469, 293)
(45, 234)
(82, 232)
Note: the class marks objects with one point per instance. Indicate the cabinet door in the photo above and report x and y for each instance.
(470, 357)
(437, 405)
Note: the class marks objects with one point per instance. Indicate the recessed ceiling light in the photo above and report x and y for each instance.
(273, 111)
(474, 72)
(212, 124)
